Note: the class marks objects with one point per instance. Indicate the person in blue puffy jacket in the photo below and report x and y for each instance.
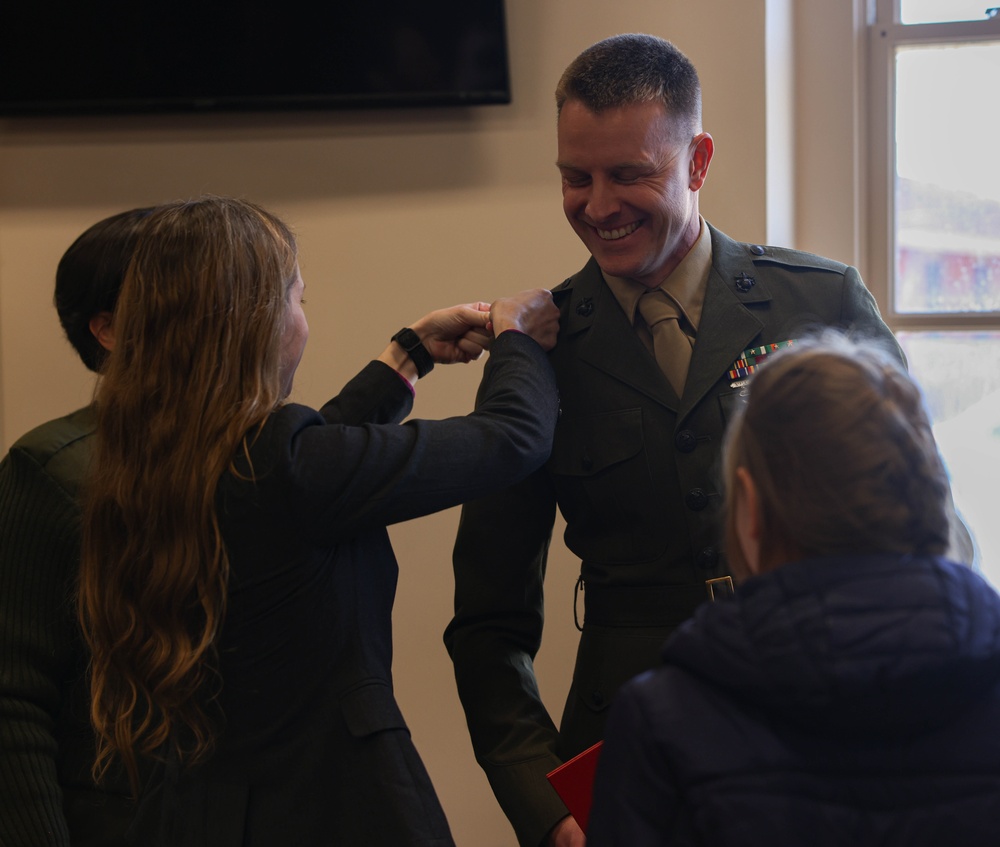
(850, 692)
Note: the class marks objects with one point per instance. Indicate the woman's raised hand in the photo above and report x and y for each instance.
(532, 312)
(457, 334)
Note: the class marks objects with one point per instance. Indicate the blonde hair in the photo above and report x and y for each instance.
(195, 368)
(837, 440)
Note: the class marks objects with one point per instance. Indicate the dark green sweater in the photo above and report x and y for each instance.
(46, 744)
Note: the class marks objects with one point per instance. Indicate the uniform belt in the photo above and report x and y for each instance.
(649, 605)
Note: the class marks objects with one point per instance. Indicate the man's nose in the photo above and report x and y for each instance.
(603, 202)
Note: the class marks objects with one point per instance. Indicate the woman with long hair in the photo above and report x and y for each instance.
(237, 579)
(850, 692)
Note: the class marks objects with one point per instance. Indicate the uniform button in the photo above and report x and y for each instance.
(707, 558)
(696, 500)
(596, 699)
(685, 441)
(587, 463)
(757, 250)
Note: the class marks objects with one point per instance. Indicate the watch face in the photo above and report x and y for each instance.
(407, 339)
(410, 342)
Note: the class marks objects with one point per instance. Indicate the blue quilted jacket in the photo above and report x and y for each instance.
(838, 701)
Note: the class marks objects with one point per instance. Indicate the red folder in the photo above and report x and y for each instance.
(574, 783)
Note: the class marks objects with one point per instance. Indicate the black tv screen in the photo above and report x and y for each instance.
(105, 56)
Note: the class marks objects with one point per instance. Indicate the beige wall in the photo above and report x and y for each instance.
(397, 212)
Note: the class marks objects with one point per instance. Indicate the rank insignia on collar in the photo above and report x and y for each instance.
(750, 359)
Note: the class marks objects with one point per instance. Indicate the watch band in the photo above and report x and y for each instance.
(410, 342)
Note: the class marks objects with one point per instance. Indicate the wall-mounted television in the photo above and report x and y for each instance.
(108, 56)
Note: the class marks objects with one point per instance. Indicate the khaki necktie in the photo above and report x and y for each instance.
(671, 347)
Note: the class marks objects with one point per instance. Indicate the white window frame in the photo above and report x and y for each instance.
(885, 34)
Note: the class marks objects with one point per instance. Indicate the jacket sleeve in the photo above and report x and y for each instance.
(861, 318)
(341, 479)
(38, 556)
(499, 561)
(376, 395)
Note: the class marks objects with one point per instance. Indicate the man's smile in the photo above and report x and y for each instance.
(615, 234)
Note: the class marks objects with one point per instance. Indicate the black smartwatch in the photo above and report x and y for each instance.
(408, 340)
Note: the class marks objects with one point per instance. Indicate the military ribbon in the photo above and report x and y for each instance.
(752, 357)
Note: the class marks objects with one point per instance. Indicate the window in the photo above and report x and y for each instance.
(935, 73)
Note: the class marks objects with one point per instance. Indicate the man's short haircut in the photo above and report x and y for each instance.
(89, 278)
(633, 68)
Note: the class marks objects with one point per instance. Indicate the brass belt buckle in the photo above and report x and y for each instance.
(721, 584)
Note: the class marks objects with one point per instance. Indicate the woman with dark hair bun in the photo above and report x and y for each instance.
(238, 580)
(850, 692)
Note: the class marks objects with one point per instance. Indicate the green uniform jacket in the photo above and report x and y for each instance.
(634, 471)
(47, 798)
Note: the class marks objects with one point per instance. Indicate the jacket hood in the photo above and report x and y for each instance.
(861, 645)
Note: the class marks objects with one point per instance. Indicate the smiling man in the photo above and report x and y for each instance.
(630, 179)
(657, 334)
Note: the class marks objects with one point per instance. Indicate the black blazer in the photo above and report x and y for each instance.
(314, 750)
(633, 471)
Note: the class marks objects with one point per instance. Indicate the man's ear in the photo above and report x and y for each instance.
(701, 158)
(101, 328)
(748, 520)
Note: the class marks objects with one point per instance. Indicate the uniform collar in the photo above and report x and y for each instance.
(685, 284)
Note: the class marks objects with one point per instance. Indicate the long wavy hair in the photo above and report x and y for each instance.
(195, 370)
(836, 437)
